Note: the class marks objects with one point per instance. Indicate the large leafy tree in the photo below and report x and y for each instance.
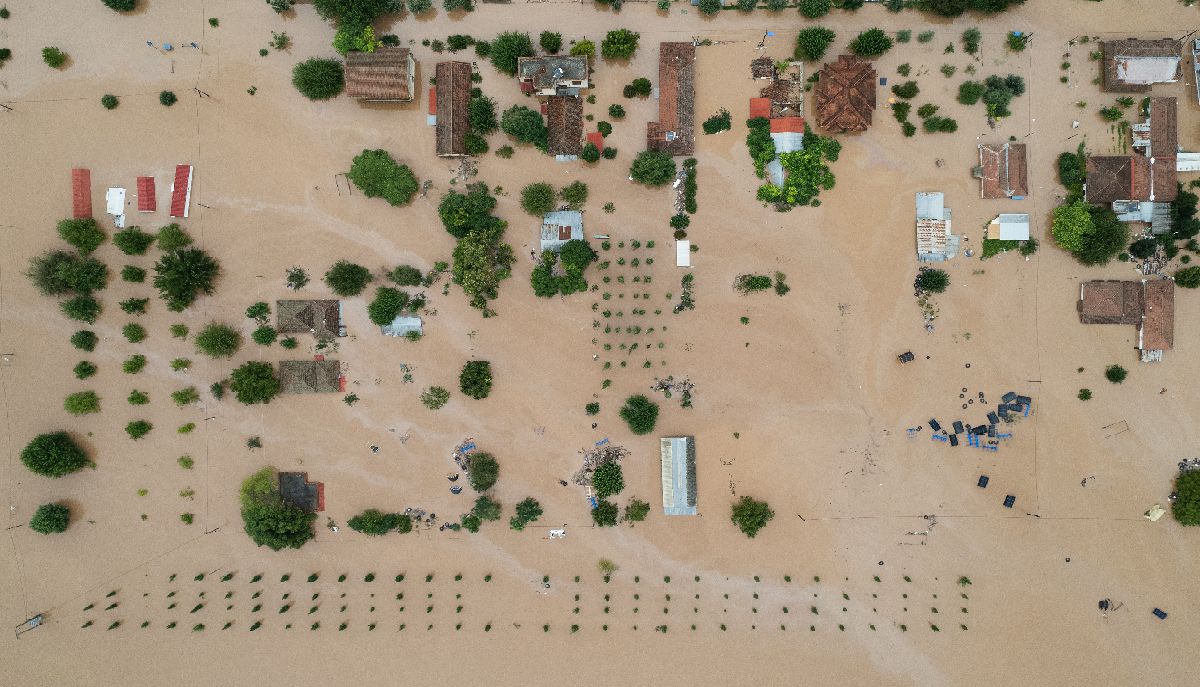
(1071, 223)
(652, 168)
(59, 272)
(377, 175)
(268, 520)
(538, 199)
(1186, 508)
(812, 42)
(347, 278)
(620, 44)
(608, 480)
(50, 518)
(180, 276)
(528, 510)
(814, 9)
(463, 212)
(387, 305)
(524, 124)
(481, 114)
(360, 12)
(53, 455)
(319, 78)
(507, 48)
(1188, 277)
(750, 515)
(475, 380)
(482, 471)
(1107, 238)
(640, 413)
(871, 43)
(84, 234)
(254, 382)
(605, 514)
(482, 261)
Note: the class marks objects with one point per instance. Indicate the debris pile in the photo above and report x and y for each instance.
(594, 458)
(985, 436)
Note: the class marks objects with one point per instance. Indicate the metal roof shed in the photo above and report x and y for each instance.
(683, 253)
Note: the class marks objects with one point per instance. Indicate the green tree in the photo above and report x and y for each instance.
(509, 47)
(84, 340)
(640, 413)
(750, 515)
(84, 369)
(84, 234)
(387, 305)
(53, 455)
(53, 57)
(406, 275)
(267, 519)
(537, 199)
(475, 380)
(1115, 374)
(419, 6)
(584, 48)
(482, 471)
(83, 308)
(375, 523)
(50, 518)
(121, 5)
(57, 272)
(620, 44)
(167, 98)
(528, 510)
(462, 213)
(82, 403)
(347, 279)
(605, 514)
(608, 480)
(1186, 506)
(551, 42)
(934, 281)
(486, 509)
(359, 12)
(815, 9)
(574, 194)
(576, 254)
(1188, 277)
(264, 335)
(254, 382)
(319, 78)
(969, 92)
(636, 510)
(133, 241)
(812, 42)
(1072, 170)
(1108, 237)
(172, 237)
(434, 397)
(652, 168)
(1070, 224)
(871, 43)
(616, 111)
(481, 114)
(590, 153)
(524, 124)
(218, 340)
(710, 7)
(1143, 248)
(377, 175)
(182, 275)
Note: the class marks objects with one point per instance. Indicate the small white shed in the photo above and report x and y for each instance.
(683, 253)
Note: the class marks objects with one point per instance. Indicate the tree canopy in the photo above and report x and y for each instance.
(871, 43)
(50, 518)
(528, 510)
(481, 115)
(133, 241)
(319, 78)
(58, 272)
(605, 514)
(507, 48)
(218, 340)
(1186, 507)
(620, 44)
(652, 168)
(268, 520)
(377, 175)
(254, 382)
(84, 234)
(53, 455)
(524, 124)
(608, 480)
(375, 523)
(182, 275)
(388, 303)
(475, 380)
(1188, 277)
(640, 413)
(482, 471)
(934, 281)
(750, 515)
(346, 278)
(463, 212)
(358, 12)
(812, 42)
(1071, 222)
(538, 199)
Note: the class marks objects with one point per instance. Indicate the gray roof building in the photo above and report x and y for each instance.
(678, 475)
(403, 325)
(559, 227)
(544, 75)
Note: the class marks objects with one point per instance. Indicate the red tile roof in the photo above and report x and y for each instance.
(676, 100)
(597, 139)
(760, 107)
(454, 97)
(845, 94)
(147, 202)
(382, 75)
(181, 191)
(81, 193)
(793, 125)
(433, 100)
(1158, 324)
(1004, 170)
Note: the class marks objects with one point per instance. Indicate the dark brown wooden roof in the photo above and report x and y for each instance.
(1158, 324)
(564, 124)
(845, 94)
(1110, 302)
(676, 100)
(453, 98)
(380, 75)
(1109, 178)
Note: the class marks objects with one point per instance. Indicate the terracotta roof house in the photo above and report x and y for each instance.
(1109, 178)
(1149, 173)
(81, 193)
(560, 227)
(546, 74)
(181, 191)
(1157, 331)
(1110, 302)
(453, 98)
(1133, 66)
(564, 126)
(321, 318)
(309, 376)
(597, 139)
(147, 201)
(760, 108)
(1002, 170)
(845, 94)
(385, 75)
(674, 132)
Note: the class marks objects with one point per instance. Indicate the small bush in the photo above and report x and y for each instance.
(167, 98)
(218, 340)
(172, 237)
(934, 281)
(82, 403)
(640, 413)
(84, 340)
(475, 380)
(132, 274)
(109, 102)
(134, 333)
(133, 241)
(318, 78)
(1115, 374)
(434, 397)
(138, 429)
(53, 57)
(134, 364)
(50, 518)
